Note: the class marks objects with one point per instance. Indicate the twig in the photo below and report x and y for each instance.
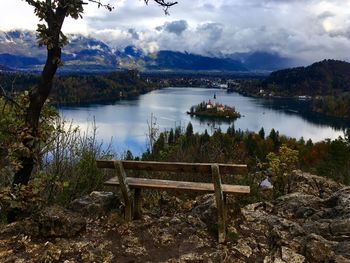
(165, 4)
(100, 4)
(8, 98)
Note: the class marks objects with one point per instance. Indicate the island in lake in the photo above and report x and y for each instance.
(214, 109)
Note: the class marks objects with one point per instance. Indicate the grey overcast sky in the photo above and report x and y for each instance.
(307, 30)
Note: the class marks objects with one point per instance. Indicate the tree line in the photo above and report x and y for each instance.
(82, 89)
(329, 158)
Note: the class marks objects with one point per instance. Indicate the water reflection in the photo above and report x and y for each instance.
(302, 108)
(126, 121)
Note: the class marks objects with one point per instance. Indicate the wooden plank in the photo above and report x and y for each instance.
(179, 185)
(176, 167)
(219, 197)
(121, 175)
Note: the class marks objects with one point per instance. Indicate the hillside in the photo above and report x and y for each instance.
(328, 77)
(185, 61)
(82, 89)
(260, 60)
(4, 68)
(325, 83)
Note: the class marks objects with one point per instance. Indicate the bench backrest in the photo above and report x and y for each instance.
(204, 168)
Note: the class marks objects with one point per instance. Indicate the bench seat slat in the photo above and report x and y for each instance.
(178, 185)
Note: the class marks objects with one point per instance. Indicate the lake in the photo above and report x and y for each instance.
(125, 122)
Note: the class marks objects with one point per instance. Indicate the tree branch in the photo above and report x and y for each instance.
(100, 4)
(163, 3)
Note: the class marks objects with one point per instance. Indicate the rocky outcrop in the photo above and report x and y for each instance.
(311, 184)
(311, 225)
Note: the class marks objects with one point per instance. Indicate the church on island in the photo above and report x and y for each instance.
(212, 108)
(212, 104)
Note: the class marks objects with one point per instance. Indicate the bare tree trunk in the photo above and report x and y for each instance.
(37, 98)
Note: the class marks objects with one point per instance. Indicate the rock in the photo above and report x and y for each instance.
(243, 248)
(317, 249)
(311, 184)
(132, 247)
(26, 226)
(343, 249)
(269, 259)
(191, 257)
(290, 256)
(297, 205)
(341, 227)
(318, 227)
(51, 254)
(285, 255)
(95, 204)
(341, 259)
(340, 202)
(197, 242)
(206, 210)
(56, 221)
(168, 204)
(166, 239)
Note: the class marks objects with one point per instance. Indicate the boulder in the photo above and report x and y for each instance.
(205, 209)
(290, 256)
(318, 249)
(56, 221)
(95, 204)
(311, 184)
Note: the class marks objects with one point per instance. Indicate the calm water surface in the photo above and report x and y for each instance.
(125, 122)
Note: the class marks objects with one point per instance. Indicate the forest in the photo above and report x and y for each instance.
(328, 77)
(327, 83)
(262, 151)
(338, 106)
(82, 89)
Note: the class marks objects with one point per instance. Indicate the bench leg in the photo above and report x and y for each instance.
(220, 203)
(225, 211)
(137, 203)
(127, 195)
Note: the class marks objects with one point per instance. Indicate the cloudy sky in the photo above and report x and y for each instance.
(307, 30)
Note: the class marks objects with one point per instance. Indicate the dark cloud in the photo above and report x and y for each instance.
(176, 27)
(345, 33)
(326, 15)
(212, 31)
(133, 33)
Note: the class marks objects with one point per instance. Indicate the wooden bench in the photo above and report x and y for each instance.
(134, 205)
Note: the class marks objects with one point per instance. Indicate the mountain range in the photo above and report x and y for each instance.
(19, 50)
